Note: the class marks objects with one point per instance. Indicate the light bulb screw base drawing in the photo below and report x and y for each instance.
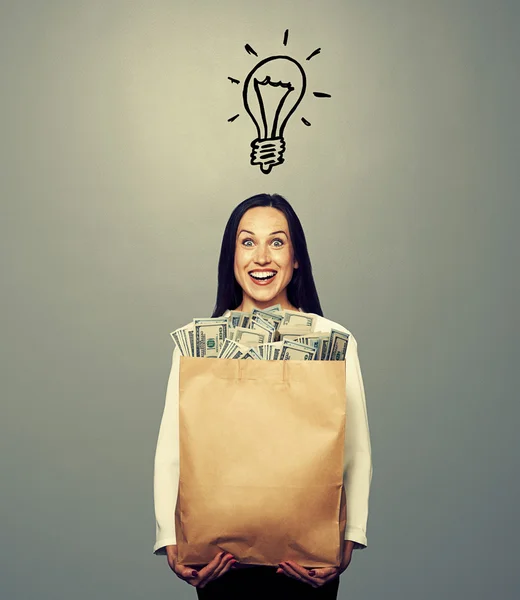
(267, 153)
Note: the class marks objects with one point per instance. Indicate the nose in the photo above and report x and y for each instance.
(262, 256)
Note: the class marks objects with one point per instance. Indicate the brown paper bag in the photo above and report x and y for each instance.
(261, 461)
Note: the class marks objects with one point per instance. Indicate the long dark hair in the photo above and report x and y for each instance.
(301, 291)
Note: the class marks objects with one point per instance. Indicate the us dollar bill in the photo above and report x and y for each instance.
(258, 324)
(338, 345)
(295, 351)
(252, 353)
(291, 332)
(274, 308)
(249, 337)
(314, 340)
(230, 349)
(293, 317)
(209, 336)
(188, 333)
(238, 317)
(176, 337)
(271, 334)
(183, 339)
(270, 317)
(324, 348)
(235, 318)
(274, 350)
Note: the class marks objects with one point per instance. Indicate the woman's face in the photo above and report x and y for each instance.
(264, 258)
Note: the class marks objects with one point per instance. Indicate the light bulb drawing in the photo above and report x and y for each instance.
(269, 146)
(271, 93)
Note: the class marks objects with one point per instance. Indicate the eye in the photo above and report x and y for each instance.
(245, 242)
(280, 242)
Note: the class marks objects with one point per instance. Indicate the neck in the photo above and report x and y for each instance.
(248, 304)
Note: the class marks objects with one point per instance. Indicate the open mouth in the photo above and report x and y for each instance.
(262, 276)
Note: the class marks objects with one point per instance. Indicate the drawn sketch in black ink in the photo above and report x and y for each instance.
(271, 93)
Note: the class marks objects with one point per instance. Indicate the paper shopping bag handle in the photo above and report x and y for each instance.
(277, 370)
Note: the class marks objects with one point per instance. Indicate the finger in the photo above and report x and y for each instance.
(305, 573)
(330, 578)
(325, 572)
(210, 577)
(208, 573)
(224, 568)
(291, 572)
(212, 565)
(288, 573)
(290, 569)
(186, 573)
(224, 564)
(324, 580)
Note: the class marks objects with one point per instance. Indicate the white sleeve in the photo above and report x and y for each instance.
(357, 474)
(166, 468)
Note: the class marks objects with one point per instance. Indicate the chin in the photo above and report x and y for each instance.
(263, 297)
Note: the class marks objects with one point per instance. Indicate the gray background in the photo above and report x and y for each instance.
(119, 171)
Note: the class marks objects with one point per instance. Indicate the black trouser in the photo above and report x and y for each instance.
(264, 583)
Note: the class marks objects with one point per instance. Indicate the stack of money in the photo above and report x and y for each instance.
(268, 334)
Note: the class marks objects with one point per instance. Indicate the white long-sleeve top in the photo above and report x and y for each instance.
(357, 466)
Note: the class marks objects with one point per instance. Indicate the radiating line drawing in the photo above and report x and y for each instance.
(285, 75)
(250, 50)
(317, 51)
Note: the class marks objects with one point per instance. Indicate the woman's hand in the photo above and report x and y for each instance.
(317, 577)
(217, 567)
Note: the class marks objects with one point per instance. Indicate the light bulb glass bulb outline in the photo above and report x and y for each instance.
(251, 93)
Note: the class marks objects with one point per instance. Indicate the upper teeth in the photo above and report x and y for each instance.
(263, 275)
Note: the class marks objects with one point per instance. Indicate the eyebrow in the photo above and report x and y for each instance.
(272, 233)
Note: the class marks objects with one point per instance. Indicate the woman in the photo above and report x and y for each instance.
(264, 261)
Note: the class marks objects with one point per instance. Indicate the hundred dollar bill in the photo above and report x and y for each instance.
(239, 318)
(249, 337)
(271, 317)
(338, 345)
(271, 350)
(263, 350)
(260, 350)
(258, 324)
(188, 333)
(235, 350)
(296, 351)
(224, 348)
(209, 336)
(176, 337)
(252, 353)
(290, 332)
(274, 308)
(183, 339)
(314, 340)
(293, 317)
(324, 347)
(235, 316)
(231, 349)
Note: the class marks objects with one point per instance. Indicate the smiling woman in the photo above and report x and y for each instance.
(264, 261)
